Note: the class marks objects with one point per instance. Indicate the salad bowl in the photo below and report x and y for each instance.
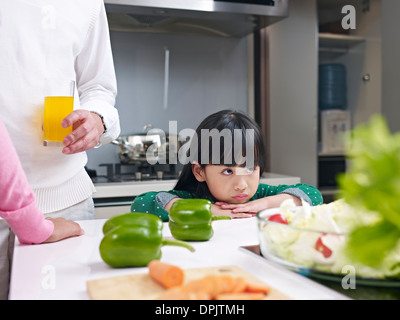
(311, 240)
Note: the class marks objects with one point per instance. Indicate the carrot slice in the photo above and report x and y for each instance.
(255, 288)
(218, 287)
(239, 285)
(181, 293)
(226, 283)
(165, 274)
(241, 296)
(205, 284)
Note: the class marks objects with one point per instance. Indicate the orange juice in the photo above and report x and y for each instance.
(55, 110)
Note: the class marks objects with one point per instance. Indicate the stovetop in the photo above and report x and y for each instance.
(119, 172)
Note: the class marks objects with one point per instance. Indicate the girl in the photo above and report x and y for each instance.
(227, 158)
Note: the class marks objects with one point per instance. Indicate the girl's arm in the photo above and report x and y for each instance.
(272, 196)
(304, 191)
(157, 203)
(252, 207)
(147, 203)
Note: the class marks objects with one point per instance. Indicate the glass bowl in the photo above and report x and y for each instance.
(297, 248)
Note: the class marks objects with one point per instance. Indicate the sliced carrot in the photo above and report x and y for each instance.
(218, 287)
(226, 283)
(215, 285)
(165, 274)
(180, 293)
(255, 288)
(241, 296)
(239, 285)
(205, 284)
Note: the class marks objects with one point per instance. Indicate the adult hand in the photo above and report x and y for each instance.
(64, 229)
(87, 129)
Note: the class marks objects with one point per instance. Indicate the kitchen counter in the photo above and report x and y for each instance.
(60, 270)
(134, 188)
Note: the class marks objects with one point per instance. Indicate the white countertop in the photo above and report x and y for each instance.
(60, 270)
(134, 188)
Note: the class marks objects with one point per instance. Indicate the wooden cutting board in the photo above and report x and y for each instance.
(142, 287)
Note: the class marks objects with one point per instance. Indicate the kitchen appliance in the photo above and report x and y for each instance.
(124, 172)
(227, 18)
(335, 125)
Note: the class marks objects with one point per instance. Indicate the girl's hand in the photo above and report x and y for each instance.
(249, 208)
(218, 210)
(252, 207)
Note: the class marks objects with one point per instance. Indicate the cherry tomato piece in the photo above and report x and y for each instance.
(278, 218)
(319, 246)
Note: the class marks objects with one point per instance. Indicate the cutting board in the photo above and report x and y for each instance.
(142, 287)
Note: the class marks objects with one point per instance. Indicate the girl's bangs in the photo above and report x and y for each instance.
(237, 148)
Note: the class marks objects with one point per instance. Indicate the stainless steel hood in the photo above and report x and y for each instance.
(227, 18)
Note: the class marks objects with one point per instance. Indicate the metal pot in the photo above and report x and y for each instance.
(151, 146)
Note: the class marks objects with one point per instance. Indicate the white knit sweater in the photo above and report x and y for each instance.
(42, 39)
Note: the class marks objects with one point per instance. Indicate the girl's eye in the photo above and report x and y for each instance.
(227, 172)
(250, 170)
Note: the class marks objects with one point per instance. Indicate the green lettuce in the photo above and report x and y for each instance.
(372, 184)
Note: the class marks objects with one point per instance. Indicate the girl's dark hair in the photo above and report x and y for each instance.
(234, 133)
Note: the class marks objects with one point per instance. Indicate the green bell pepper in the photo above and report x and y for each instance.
(190, 219)
(134, 239)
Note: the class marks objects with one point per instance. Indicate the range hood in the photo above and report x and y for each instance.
(227, 18)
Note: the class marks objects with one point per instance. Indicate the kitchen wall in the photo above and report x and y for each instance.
(206, 74)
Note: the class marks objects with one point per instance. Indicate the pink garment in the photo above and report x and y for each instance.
(17, 200)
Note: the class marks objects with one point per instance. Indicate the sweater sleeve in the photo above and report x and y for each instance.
(153, 202)
(146, 203)
(96, 79)
(301, 190)
(17, 201)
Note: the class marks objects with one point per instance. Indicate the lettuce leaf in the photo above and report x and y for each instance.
(372, 183)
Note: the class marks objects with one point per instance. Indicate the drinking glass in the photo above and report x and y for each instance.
(59, 102)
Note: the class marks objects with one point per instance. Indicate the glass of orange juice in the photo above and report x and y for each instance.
(58, 103)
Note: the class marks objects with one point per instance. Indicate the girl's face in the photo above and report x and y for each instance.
(229, 184)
